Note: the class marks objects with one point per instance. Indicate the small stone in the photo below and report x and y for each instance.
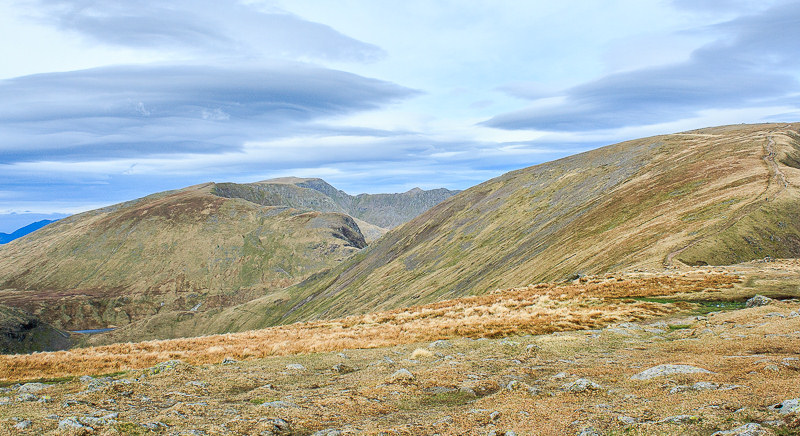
(680, 419)
(401, 376)
(228, 361)
(441, 343)
(157, 425)
(787, 406)
(582, 385)
(342, 368)
(662, 370)
(626, 419)
(758, 300)
(72, 424)
(22, 425)
(277, 426)
(278, 404)
(31, 387)
(27, 398)
(751, 429)
(295, 367)
(328, 432)
(494, 416)
(589, 431)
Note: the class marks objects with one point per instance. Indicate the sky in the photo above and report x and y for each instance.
(103, 102)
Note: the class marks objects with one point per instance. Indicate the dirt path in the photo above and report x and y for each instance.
(775, 173)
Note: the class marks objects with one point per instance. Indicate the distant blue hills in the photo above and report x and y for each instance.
(30, 228)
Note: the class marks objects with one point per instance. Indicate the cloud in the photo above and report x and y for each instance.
(143, 110)
(225, 28)
(753, 63)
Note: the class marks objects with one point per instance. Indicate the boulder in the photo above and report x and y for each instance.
(668, 369)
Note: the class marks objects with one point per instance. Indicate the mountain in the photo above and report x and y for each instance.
(30, 228)
(710, 196)
(382, 210)
(23, 333)
(181, 252)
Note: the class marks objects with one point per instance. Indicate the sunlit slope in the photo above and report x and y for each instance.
(718, 196)
(174, 251)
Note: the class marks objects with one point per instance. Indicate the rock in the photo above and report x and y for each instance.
(169, 365)
(699, 386)
(278, 404)
(27, 398)
(589, 431)
(494, 416)
(22, 425)
(96, 422)
(228, 361)
(441, 343)
(680, 419)
(787, 406)
(626, 419)
(72, 425)
(662, 370)
(277, 427)
(31, 387)
(296, 367)
(342, 368)
(581, 385)
(328, 432)
(758, 300)
(401, 376)
(157, 425)
(750, 429)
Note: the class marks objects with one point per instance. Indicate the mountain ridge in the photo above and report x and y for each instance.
(711, 193)
(22, 231)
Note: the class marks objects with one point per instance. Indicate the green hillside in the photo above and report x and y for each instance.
(710, 196)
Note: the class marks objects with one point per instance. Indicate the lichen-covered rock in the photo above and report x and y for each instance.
(582, 385)
(787, 406)
(750, 429)
(401, 376)
(758, 300)
(668, 369)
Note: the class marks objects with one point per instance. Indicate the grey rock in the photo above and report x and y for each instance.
(494, 416)
(668, 369)
(589, 431)
(441, 343)
(72, 424)
(680, 419)
(296, 367)
(278, 404)
(157, 425)
(229, 361)
(758, 300)
(582, 385)
(750, 429)
(786, 406)
(96, 422)
(277, 427)
(626, 419)
(342, 368)
(401, 376)
(328, 432)
(31, 387)
(27, 398)
(22, 425)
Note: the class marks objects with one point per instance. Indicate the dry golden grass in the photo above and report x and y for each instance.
(535, 309)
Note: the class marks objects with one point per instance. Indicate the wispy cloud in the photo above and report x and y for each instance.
(753, 63)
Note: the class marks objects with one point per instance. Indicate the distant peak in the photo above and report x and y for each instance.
(414, 191)
(291, 180)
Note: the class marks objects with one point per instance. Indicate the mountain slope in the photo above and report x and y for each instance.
(23, 333)
(30, 228)
(711, 196)
(382, 210)
(174, 251)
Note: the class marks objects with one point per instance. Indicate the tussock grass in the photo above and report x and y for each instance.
(535, 309)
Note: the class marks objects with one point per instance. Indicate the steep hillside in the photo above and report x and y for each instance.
(23, 333)
(179, 251)
(382, 210)
(711, 196)
(30, 228)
